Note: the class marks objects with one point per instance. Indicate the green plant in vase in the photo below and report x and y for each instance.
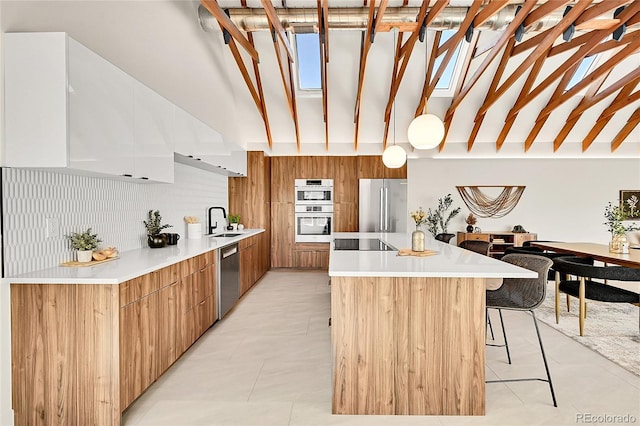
(615, 215)
(154, 225)
(84, 243)
(438, 219)
(234, 220)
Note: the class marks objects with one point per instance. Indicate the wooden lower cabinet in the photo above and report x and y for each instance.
(311, 259)
(282, 235)
(248, 267)
(82, 353)
(138, 347)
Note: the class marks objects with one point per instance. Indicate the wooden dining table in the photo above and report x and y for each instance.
(597, 251)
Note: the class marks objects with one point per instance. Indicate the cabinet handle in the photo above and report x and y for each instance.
(144, 178)
(127, 175)
(199, 159)
(190, 156)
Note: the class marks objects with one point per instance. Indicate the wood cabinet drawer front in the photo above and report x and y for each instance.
(167, 275)
(311, 259)
(187, 267)
(138, 288)
(478, 237)
(244, 243)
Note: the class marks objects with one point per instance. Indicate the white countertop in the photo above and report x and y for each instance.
(451, 261)
(131, 264)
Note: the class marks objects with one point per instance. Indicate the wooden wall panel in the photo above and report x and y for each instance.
(283, 177)
(345, 179)
(42, 321)
(345, 217)
(372, 167)
(282, 235)
(314, 167)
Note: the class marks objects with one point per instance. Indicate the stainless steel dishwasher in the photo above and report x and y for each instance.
(229, 288)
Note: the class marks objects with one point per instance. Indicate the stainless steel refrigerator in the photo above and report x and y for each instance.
(383, 205)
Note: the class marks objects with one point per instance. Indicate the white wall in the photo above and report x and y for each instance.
(114, 209)
(564, 199)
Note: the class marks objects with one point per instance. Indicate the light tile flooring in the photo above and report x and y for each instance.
(268, 363)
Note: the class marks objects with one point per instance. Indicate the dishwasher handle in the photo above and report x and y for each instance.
(230, 251)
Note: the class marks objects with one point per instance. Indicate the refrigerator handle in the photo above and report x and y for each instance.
(386, 209)
(381, 223)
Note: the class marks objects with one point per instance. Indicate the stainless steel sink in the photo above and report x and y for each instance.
(226, 235)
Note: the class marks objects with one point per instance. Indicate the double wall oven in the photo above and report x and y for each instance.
(313, 210)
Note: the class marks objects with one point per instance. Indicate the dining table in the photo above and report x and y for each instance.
(596, 251)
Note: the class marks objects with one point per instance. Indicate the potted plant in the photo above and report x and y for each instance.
(438, 219)
(154, 225)
(234, 220)
(614, 216)
(84, 243)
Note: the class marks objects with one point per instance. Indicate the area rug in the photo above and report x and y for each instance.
(611, 329)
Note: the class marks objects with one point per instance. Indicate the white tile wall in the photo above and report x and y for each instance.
(113, 209)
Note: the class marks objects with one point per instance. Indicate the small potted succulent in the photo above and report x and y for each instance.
(234, 220)
(154, 225)
(84, 243)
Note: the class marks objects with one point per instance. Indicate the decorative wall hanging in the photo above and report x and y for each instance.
(487, 206)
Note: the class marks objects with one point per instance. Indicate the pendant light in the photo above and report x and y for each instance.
(394, 156)
(426, 131)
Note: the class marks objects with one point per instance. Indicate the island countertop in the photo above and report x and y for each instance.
(131, 263)
(450, 260)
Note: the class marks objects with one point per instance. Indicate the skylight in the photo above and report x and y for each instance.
(308, 51)
(581, 72)
(447, 77)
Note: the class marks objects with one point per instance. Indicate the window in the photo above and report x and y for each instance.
(581, 72)
(447, 77)
(308, 51)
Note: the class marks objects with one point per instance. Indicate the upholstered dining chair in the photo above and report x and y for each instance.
(523, 294)
(538, 252)
(590, 284)
(478, 246)
(445, 238)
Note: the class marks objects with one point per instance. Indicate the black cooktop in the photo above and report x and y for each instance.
(362, 244)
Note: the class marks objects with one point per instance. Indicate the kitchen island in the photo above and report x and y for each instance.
(408, 333)
(87, 341)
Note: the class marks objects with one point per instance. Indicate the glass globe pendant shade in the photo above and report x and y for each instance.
(426, 131)
(394, 157)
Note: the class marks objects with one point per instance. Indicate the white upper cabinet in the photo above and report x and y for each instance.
(68, 108)
(154, 135)
(101, 137)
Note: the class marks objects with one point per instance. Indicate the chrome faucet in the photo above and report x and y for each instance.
(213, 226)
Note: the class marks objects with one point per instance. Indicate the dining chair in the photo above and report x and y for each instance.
(523, 294)
(477, 246)
(445, 238)
(590, 284)
(526, 249)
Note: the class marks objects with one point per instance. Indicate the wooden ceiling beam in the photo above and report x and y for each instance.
(427, 76)
(448, 118)
(545, 44)
(603, 118)
(225, 22)
(323, 28)
(607, 66)
(396, 61)
(502, 41)
(632, 78)
(510, 121)
(494, 83)
(613, 44)
(543, 10)
(256, 71)
(539, 124)
(596, 37)
(407, 49)
(430, 83)
(272, 17)
(617, 106)
(288, 84)
(570, 123)
(632, 123)
(373, 18)
(599, 9)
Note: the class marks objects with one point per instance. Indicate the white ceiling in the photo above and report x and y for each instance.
(161, 44)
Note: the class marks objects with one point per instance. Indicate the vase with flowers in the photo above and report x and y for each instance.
(417, 236)
(614, 216)
(471, 221)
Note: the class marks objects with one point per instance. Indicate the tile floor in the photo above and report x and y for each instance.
(268, 363)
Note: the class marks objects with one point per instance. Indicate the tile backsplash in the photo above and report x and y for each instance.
(113, 209)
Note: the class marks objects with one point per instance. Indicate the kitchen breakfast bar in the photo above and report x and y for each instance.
(408, 333)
